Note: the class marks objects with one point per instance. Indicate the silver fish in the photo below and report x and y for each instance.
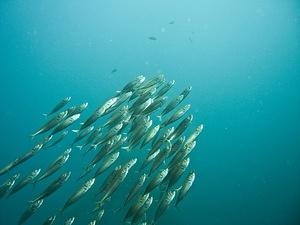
(150, 135)
(91, 138)
(107, 163)
(77, 109)
(66, 123)
(184, 189)
(56, 165)
(164, 89)
(139, 110)
(92, 222)
(59, 106)
(135, 188)
(136, 206)
(181, 127)
(164, 204)
(50, 220)
(153, 81)
(25, 181)
(176, 116)
(176, 172)
(58, 139)
(54, 186)
(99, 216)
(7, 185)
(99, 112)
(149, 158)
(32, 208)
(163, 154)
(186, 91)
(155, 105)
(194, 135)
(82, 134)
(121, 99)
(182, 153)
(172, 105)
(142, 211)
(79, 193)
(50, 123)
(156, 180)
(133, 85)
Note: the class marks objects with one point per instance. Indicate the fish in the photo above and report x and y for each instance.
(87, 170)
(155, 105)
(156, 180)
(185, 187)
(50, 123)
(142, 211)
(132, 85)
(91, 138)
(177, 146)
(149, 158)
(139, 110)
(114, 70)
(116, 181)
(99, 216)
(176, 116)
(92, 222)
(106, 149)
(25, 181)
(194, 135)
(99, 112)
(164, 205)
(107, 163)
(77, 109)
(31, 209)
(171, 22)
(112, 132)
(164, 139)
(7, 185)
(177, 171)
(56, 165)
(58, 106)
(58, 139)
(135, 188)
(117, 116)
(109, 179)
(182, 153)
(163, 154)
(152, 38)
(153, 81)
(164, 89)
(186, 92)
(54, 186)
(150, 135)
(82, 134)
(172, 105)
(65, 123)
(50, 220)
(69, 221)
(120, 100)
(181, 127)
(78, 194)
(136, 206)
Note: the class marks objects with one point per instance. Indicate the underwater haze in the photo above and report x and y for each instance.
(242, 59)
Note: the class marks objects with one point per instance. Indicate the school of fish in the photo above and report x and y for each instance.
(140, 121)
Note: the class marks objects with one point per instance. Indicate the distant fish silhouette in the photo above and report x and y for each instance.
(172, 22)
(114, 70)
(152, 38)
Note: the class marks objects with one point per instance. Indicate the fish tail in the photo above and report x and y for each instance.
(159, 117)
(79, 146)
(45, 114)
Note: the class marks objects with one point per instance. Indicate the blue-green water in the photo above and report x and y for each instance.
(241, 57)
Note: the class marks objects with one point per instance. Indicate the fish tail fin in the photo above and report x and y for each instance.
(45, 114)
(159, 118)
(127, 148)
(32, 136)
(79, 146)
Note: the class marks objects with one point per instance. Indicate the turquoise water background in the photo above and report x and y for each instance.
(242, 59)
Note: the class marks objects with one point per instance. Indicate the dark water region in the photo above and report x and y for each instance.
(241, 58)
